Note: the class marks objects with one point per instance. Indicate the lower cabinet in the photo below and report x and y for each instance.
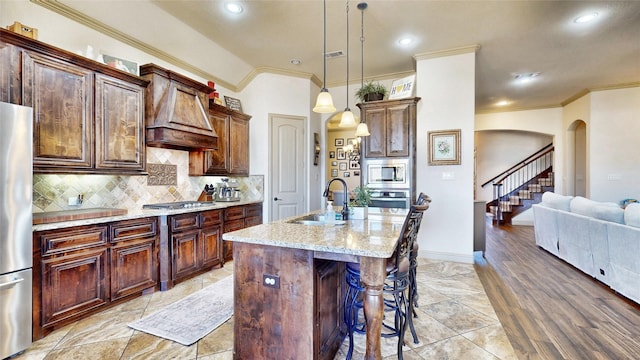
(239, 217)
(329, 294)
(80, 270)
(195, 244)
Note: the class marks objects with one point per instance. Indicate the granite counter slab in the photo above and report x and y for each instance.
(139, 213)
(376, 236)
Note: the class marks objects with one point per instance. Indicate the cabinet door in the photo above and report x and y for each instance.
(185, 254)
(211, 246)
(133, 267)
(61, 95)
(238, 146)
(227, 246)
(375, 144)
(398, 130)
(119, 125)
(329, 308)
(73, 284)
(217, 161)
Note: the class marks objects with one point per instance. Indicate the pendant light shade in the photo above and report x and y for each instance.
(324, 103)
(347, 119)
(362, 130)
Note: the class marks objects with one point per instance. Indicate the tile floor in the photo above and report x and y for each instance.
(455, 321)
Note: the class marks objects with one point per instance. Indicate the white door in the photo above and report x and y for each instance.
(288, 166)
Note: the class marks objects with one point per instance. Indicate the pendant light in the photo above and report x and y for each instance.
(324, 103)
(347, 119)
(362, 129)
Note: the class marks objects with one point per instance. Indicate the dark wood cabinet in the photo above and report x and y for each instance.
(392, 125)
(232, 155)
(88, 117)
(300, 315)
(239, 217)
(80, 270)
(195, 243)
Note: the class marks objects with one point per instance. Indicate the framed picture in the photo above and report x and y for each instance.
(346, 174)
(402, 88)
(121, 64)
(334, 163)
(334, 172)
(356, 173)
(233, 103)
(341, 154)
(354, 164)
(339, 142)
(351, 141)
(332, 155)
(343, 166)
(444, 147)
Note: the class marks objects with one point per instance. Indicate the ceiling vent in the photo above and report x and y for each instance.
(177, 111)
(334, 54)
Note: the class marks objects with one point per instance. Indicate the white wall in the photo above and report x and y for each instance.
(614, 145)
(579, 109)
(447, 88)
(291, 98)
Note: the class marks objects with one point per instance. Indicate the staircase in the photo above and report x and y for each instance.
(521, 186)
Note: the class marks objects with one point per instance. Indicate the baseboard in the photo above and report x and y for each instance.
(435, 255)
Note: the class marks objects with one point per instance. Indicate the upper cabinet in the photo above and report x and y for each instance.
(392, 125)
(88, 117)
(232, 155)
(176, 109)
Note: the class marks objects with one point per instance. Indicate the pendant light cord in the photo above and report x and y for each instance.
(362, 6)
(347, 109)
(324, 53)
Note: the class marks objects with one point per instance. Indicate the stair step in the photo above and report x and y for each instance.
(525, 194)
(535, 188)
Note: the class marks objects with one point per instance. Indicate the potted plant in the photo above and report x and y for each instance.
(359, 206)
(371, 91)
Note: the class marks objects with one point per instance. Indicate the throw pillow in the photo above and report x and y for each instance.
(607, 212)
(632, 215)
(555, 201)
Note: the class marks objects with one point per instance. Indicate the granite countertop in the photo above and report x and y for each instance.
(376, 236)
(138, 213)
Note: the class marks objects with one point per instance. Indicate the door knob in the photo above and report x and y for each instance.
(276, 199)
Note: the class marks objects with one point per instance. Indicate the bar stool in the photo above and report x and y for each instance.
(397, 288)
(422, 200)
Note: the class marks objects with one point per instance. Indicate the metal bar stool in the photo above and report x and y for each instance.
(397, 288)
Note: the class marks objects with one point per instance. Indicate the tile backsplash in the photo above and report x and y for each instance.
(52, 192)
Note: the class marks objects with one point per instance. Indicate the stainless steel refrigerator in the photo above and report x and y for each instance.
(16, 261)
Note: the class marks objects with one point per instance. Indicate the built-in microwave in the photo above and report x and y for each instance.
(387, 173)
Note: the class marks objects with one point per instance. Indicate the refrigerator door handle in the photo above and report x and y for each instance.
(11, 283)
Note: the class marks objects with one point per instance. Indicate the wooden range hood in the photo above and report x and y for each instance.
(176, 110)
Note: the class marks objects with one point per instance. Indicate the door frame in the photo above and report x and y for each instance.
(305, 167)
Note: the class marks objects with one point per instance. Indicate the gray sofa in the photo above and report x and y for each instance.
(599, 238)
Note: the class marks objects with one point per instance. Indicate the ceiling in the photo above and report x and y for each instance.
(535, 36)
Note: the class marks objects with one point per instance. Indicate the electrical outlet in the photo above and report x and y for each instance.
(272, 281)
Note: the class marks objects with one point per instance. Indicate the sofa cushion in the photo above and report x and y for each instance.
(582, 206)
(632, 215)
(556, 201)
(608, 213)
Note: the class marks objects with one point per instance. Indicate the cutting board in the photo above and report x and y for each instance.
(79, 214)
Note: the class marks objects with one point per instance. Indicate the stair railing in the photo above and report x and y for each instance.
(519, 175)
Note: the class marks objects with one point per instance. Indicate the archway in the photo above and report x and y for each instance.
(577, 158)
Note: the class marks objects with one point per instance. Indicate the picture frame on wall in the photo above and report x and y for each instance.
(356, 173)
(340, 154)
(334, 172)
(332, 154)
(346, 174)
(334, 163)
(444, 147)
(354, 164)
(343, 166)
(339, 142)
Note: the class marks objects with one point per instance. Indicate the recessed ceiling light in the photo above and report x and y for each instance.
(405, 41)
(585, 18)
(503, 103)
(234, 7)
(525, 77)
(295, 61)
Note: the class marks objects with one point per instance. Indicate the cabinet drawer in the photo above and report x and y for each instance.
(233, 225)
(233, 213)
(133, 229)
(253, 210)
(252, 221)
(185, 222)
(59, 241)
(212, 217)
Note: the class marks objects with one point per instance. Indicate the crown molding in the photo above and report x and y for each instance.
(389, 76)
(271, 70)
(447, 52)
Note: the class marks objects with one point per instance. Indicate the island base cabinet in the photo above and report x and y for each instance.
(285, 303)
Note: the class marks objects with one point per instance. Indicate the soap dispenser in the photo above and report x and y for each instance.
(330, 215)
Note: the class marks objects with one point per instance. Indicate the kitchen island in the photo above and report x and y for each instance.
(284, 305)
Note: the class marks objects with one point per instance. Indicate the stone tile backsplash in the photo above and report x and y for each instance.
(52, 192)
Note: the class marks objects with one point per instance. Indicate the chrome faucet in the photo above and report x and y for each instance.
(345, 205)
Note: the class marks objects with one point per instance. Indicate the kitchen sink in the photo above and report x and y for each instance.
(314, 219)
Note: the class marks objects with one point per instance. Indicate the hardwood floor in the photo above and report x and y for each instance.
(549, 309)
